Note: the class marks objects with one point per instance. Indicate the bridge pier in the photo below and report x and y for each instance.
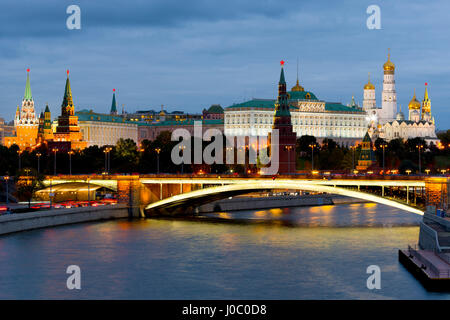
(407, 194)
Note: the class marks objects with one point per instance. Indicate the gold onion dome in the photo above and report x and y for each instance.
(297, 87)
(414, 104)
(389, 65)
(369, 85)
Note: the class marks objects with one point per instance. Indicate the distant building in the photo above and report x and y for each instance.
(25, 122)
(150, 131)
(105, 129)
(152, 116)
(213, 112)
(6, 130)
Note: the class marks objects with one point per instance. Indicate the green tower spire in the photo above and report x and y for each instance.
(67, 104)
(113, 104)
(27, 95)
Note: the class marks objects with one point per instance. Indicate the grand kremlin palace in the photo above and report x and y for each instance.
(309, 116)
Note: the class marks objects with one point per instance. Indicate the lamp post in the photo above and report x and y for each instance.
(383, 145)
(107, 159)
(38, 155)
(353, 156)
(70, 153)
(182, 161)
(50, 195)
(157, 150)
(55, 150)
(419, 147)
(20, 159)
(289, 148)
(7, 189)
(312, 146)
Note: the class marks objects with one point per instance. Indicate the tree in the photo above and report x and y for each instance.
(28, 181)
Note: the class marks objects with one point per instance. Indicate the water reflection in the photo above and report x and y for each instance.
(172, 259)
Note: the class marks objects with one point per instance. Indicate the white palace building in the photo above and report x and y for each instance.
(309, 116)
(344, 124)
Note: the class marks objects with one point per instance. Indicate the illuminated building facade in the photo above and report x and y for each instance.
(25, 122)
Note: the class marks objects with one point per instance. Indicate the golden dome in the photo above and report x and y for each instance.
(388, 65)
(369, 85)
(297, 87)
(414, 104)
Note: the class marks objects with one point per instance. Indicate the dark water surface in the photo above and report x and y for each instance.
(303, 253)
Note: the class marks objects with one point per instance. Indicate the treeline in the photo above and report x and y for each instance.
(127, 157)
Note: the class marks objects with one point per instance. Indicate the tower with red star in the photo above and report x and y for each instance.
(286, 136)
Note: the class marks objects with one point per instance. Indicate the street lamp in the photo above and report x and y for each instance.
(7, 189)
(19, 152)
(107, 159)
(182, 161)
(383, 145)
(353, 156)
(38, 155)
(70, 153)
(289, 148)
(419, 147)
(312, 146)
(408, 171)
(427, 171)
(55, 150)
(157, 150)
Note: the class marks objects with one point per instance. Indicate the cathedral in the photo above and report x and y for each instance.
(388, 123)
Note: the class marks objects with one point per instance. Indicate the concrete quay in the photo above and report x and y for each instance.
(430, 262)
(42, 219)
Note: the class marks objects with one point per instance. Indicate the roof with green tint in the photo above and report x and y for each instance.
(215, 108)
(113, 104)
(28, 95)
(89, 115)
(189, 122)
(302, 95)
(336, 106)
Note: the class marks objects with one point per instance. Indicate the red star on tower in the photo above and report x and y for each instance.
(282, 62)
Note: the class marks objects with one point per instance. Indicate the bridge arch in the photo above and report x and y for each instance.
(189, 200)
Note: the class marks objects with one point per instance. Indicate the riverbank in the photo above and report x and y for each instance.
(267, 202)
(42, 219)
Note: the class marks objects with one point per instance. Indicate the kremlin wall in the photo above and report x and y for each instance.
(295, 112)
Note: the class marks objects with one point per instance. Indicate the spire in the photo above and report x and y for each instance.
(47, 108)
(67, 108)
(113, 104)
(27, 95)
(425, 98)
(282, 80)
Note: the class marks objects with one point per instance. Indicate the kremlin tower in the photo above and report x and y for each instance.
(426, 106)
(68, 135)
(282, 123)
(113, 104)
(389, 95)
(25, 122)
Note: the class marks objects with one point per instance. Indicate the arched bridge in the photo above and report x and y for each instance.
(186, 202)
(167, 192)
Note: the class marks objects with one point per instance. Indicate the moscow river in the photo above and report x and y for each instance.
(291, 253)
